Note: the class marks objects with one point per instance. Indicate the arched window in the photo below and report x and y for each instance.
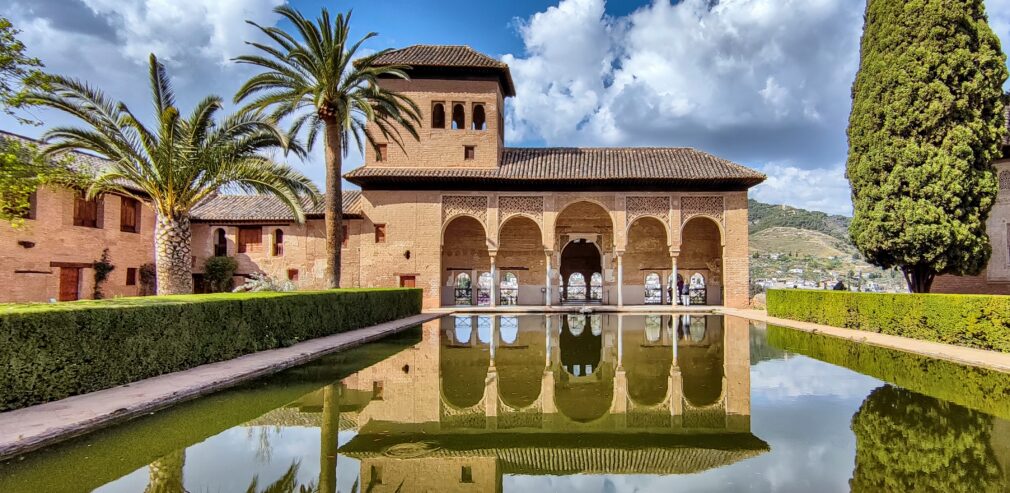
(576, 289)
(220, 243)
(697, 289)
(479, 120)
(278, 249)
(508, 291)
(484, 283)
(596, 287)
(653, 289)
(576, 324)
(596, 324)
(438, 116)
(463, 329)
(458, 120)
(697, 327)
(509, 329)
(463, 295)
(653, 328)
(484, 324)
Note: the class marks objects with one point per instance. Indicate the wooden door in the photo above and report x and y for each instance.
(407, 282)
(70, 283)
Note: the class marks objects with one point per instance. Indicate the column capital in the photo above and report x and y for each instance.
(619, 253)
(493, 254)
(674, 252)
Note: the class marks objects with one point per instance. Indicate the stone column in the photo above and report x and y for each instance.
(549, 254)
(494, 281)
(620, 278)
(674, 293)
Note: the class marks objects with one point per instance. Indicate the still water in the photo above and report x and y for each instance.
(567, 403)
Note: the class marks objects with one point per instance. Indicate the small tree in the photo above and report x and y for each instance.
(218, 273)
(18, 72)
(23, 170)
(927, 121)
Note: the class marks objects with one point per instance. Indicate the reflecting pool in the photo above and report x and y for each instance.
(567, 403)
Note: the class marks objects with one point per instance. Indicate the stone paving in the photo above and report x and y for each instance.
(967, 356)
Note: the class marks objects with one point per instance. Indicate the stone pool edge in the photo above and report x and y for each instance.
(28, 429)
(992, 360)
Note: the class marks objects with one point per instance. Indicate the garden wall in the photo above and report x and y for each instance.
(52, 351)
(977, 321)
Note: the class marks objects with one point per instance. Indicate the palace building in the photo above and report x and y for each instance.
(474, 222)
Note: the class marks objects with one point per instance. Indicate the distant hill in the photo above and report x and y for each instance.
(795, 246)
(765, 216)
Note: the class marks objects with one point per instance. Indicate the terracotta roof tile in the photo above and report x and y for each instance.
(439, 56)
(264, 208)
(565, 164)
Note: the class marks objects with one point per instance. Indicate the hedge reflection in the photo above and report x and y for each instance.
(910, 442)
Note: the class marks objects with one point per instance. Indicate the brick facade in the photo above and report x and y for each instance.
(32, 257)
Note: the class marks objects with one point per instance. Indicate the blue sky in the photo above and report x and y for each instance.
(764, 83)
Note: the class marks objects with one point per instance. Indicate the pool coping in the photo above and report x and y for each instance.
(992, 360)
(31, 428)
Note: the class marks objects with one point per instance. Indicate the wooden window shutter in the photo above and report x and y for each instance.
(250, 239)
(129, 215)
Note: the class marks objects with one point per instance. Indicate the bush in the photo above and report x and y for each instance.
(977, 321)
(218, 273)
(52, 351)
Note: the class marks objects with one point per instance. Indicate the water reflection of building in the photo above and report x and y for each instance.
(485, 396)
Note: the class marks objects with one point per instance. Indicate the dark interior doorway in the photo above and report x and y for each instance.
(579, 257)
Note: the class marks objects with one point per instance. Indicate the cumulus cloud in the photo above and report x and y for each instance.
(107, 42)
(762, 82)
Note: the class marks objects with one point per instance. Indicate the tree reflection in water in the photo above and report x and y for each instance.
(911, 442)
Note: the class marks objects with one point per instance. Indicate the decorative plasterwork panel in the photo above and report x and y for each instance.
(1004, 180)
(532, 206)
(691, 206)
(647, 206)
(469, 205)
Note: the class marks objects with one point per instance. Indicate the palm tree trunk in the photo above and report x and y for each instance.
(174, 257)
(328, 434)
(334, 217)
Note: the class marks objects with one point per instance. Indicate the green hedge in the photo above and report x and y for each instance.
(54, 351)
(973, 387)
(977, 321)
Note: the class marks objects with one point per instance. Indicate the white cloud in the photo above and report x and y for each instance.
(762, 82)
(819, 189)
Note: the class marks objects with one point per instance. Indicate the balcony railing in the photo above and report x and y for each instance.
(463, 296)
(508, 296)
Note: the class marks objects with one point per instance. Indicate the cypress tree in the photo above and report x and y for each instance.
(927, 121)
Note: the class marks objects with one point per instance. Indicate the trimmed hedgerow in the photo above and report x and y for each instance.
(977, 321)
(54, 351)
(973, 387)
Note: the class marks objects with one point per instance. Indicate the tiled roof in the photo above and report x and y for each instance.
(261, 207)
(449, 58)
(439, 56)
(669, 166)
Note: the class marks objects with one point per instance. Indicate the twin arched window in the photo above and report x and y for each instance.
(278, 249)
(220, 243)
(438, 116)
(479, 119)
(458, 118)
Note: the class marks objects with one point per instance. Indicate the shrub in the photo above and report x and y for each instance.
(977, 321)
(258, 283)
(218, 273)
(52, 351)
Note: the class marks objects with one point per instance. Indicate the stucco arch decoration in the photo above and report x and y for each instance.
(531, 206)
(654, 207)
(454, 206)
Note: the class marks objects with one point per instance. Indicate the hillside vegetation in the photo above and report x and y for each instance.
(796, 247)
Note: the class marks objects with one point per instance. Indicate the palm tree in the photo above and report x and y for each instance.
(318, 81)
(176, 165)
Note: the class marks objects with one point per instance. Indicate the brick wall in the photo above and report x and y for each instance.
(304, 250)
(28, 274)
